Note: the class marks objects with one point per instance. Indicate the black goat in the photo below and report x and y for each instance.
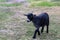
(39, 21)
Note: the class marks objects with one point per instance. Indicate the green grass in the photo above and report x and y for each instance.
(5, 15)
(31, 0)
(37, 3)
(2, 0)
(48, 4)
(57, 3)
(55, 0)
(9, 5)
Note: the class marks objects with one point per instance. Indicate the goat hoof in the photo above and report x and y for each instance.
(47, 32)
(41, 31)
(38, 34)
(34, 37)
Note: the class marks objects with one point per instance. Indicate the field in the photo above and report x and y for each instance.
(13, 25)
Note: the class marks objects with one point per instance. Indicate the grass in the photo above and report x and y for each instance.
(9, 5)
(3, 0)
(32, 0)
(55, 0)
(48, 4)
(4, 16)
(37, 3)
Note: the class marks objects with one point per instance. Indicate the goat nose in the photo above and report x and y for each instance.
(28, 20)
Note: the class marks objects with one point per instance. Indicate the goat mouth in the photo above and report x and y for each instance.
(28, 20)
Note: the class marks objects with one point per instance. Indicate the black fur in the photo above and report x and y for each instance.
(39, 21)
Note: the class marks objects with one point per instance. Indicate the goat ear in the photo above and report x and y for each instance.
(25, 14)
